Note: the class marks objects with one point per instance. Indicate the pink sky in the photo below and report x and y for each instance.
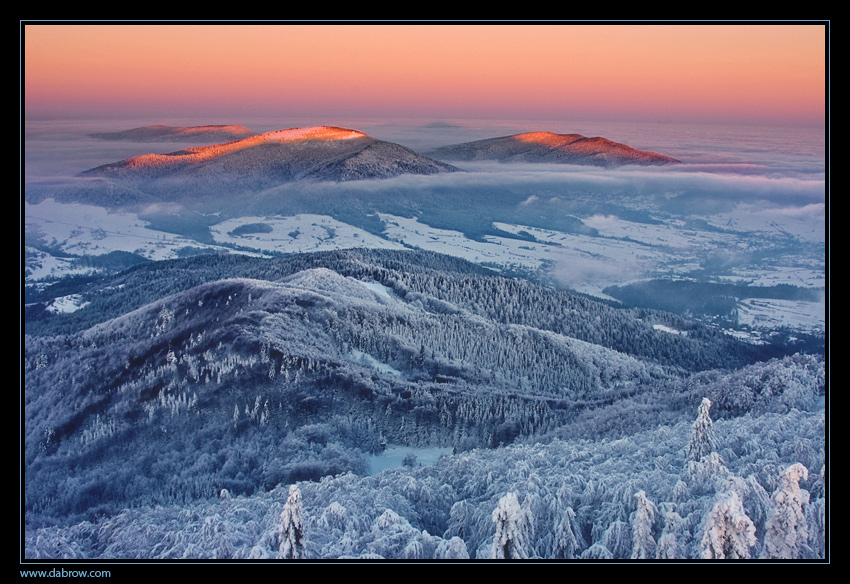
(760, 73)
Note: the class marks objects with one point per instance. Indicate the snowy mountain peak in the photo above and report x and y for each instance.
(265, 160)
(311, 133)
(199, 154)
(550, 139)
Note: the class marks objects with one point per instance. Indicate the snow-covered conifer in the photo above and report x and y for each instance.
(705, 476)
(452, 549)
(702, 439)
(334, 517)
(617, 538)
(511, 539)
(643, 520)
(597, 552)
(418, 547)
(461, 520)
(291, 528)
(816, 520)
(786, 532)
(671, 543)
(727, 531)
(568, 541)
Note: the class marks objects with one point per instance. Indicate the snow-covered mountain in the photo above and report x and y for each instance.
(161, 133)
(320, 153)
(550, 147)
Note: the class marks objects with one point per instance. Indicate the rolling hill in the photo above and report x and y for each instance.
(192, 383)
(266, 160)
(550, 147)
(403, 338)
(161, 133)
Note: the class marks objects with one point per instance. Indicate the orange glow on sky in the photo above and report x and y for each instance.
(672, 72)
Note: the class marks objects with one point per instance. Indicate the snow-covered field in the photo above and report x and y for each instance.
(771, 313)
(80, 230)
(299, 233)
(622, 252)
(88, 230)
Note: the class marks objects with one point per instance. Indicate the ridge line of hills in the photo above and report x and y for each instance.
(312, 155)
(163, 133)
(263, 160)
(551, 147)
(327, 143)
(222, 375)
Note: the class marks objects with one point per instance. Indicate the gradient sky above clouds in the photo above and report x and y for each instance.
(672, 72)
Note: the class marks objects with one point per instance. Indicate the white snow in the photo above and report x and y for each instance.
(394, 454)
(79, 229)
(667, 329)
(369, 360)
(298, 233)
(769, 313)
(86, 229)
(625, 251)
(67, 304)
(381, 290)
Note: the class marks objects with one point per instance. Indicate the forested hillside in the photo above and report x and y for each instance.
(169, 416)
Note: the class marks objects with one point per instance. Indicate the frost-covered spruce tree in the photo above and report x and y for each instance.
(452, 549)
(671, 543)
(617, 539)
(291, 528)
(702, 439)
(511, 538)
(703, 477)
(727, 531)
(816, 515)
(642, 521)
(786, 531)
(704, 469)
(568, 541)
(597, 551)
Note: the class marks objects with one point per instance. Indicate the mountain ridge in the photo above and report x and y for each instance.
(219, 372)
(162, 133)
(310, 153)
(543, 146)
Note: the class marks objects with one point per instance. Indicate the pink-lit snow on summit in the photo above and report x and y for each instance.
(201, 153)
